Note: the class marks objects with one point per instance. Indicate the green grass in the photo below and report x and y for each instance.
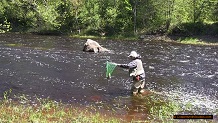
(187, 40)
(161, 110)
(191, 41)
(47, 111)
(22, 110)
(194, 41)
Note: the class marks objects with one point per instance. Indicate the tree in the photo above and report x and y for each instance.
(105, 17)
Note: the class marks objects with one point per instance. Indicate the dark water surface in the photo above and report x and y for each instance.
(56, 67)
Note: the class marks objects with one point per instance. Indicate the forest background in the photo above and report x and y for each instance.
(110, 17)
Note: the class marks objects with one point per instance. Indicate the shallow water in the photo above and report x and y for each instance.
(56, 67)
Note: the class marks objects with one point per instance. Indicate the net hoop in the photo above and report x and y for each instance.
(110, 66)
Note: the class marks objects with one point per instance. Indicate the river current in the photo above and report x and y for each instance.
(56, 67)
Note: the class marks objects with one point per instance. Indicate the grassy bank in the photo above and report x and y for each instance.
(198, 40)
(163, 112)
(23, 110)
(194, 40)
(46, 111)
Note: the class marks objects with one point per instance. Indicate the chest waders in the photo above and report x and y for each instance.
(138, 80)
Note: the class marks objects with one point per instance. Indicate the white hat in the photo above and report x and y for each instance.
(133, 54)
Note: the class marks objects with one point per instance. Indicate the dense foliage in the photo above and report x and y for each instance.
(109, 17)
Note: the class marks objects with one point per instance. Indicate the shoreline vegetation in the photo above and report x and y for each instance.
(194, 40)
(19, 108)
(47, 111)
(113, 19)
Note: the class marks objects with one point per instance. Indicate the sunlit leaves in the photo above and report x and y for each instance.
(112, 17)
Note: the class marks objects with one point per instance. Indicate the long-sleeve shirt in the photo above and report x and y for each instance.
(135, 68)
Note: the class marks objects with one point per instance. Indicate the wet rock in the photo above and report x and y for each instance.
(93, 46)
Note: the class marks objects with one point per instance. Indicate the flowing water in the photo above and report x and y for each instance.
(56, 67)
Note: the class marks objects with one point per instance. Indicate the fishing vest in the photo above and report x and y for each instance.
(138, 70)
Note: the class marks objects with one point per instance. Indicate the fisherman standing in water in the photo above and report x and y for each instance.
(136, 71)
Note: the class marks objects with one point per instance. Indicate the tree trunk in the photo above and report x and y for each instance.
(135, 16)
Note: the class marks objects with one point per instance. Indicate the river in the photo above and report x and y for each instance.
(56, 67)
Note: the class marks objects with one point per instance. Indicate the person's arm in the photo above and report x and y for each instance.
(127, 66)
(123, 66)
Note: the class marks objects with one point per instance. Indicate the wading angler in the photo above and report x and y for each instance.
(136, 71)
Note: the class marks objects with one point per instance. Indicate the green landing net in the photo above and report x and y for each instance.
(110, 66)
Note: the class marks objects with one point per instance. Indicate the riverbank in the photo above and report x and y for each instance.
(22, 109)
(47, 111)
(200, 39)
(195, 40)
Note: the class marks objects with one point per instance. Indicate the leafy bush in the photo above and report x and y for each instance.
(189, 29)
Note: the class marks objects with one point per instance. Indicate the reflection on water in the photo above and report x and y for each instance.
(56, 67)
